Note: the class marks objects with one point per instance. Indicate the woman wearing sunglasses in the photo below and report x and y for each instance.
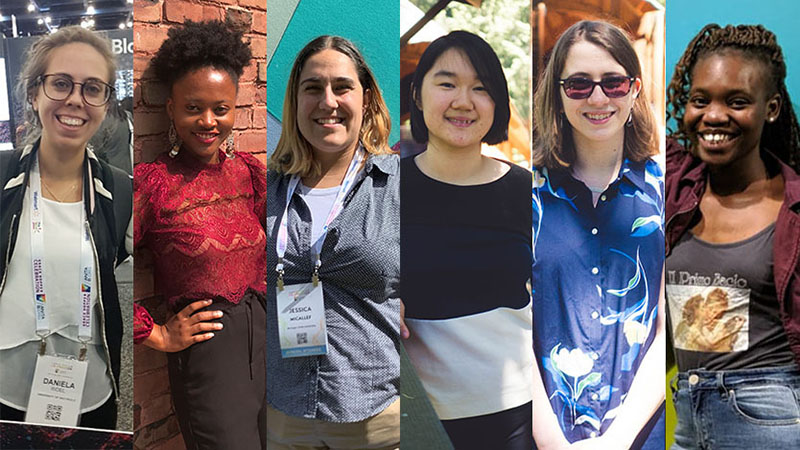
(598, 248)
(63, 228)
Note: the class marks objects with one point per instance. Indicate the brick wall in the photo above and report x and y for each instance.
(155, 424)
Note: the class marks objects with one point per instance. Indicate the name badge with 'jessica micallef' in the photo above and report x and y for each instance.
(301, 306)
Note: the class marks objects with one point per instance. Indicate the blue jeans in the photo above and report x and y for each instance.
(736, 409)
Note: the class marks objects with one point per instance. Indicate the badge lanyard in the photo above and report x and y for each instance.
(283, 233)
(37, 266)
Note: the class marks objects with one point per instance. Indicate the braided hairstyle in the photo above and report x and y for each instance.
(781, 137)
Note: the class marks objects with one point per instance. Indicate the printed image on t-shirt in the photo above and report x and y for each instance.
(709, 313)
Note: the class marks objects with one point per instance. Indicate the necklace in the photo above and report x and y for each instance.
(53, 194)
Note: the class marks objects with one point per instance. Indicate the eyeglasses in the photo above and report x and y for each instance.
(578, 88)
(59, 87)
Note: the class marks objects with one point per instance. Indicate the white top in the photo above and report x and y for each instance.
(19, 343)
(320, 202)
(477, 364)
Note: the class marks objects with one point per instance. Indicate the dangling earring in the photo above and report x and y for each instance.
(230, 146)
(629, 123)
(174, 141)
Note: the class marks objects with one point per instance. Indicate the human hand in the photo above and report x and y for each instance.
(404, 333)
(185, 328)
(598, 443)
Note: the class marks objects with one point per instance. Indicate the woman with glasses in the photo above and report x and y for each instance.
(200, 210)
(63, 229)
(598, 248)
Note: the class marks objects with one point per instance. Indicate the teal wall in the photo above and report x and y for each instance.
(687, 17)
(373, 26)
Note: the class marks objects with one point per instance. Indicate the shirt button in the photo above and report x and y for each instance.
(594, 355)
(693, 379)
(595, 270)
(593, 434)
(594, 230)
(603, 197)
(595, 396)
(595, 314)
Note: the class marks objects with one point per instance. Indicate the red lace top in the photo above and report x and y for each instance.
(205, 227)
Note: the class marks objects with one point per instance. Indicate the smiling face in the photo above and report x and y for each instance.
(202, 106)
(330, 102)
(457, 109)
(70, 123)
(596, 120)
(729, 103)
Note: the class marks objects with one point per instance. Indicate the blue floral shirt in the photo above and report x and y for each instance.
(596, 281)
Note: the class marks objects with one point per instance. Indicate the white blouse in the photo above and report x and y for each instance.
(19, 343)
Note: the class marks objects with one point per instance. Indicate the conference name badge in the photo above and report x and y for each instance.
(56, 391)
(301, 320)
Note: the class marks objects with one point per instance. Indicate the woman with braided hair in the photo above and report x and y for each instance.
(733, 228)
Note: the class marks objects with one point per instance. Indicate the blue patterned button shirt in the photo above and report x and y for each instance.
(596, 280)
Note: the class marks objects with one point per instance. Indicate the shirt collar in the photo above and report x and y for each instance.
(387, 163)
(632, 172)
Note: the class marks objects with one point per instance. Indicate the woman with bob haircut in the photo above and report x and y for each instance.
(62, 232)
(200, 211)
(598, 331)
(334, 259)
(467, 249)
(732, 219)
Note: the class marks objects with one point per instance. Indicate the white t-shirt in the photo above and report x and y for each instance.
(19, 343)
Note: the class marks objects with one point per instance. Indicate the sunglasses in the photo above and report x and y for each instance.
(578, 88)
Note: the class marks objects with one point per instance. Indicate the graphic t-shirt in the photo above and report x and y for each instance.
(723, 307)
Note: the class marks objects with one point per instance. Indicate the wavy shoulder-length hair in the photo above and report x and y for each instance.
(554, 146)
(293, 155)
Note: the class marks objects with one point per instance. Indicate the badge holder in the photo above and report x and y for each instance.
(57, 388)
(301, 317)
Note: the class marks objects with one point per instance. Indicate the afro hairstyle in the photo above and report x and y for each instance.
(201, 44)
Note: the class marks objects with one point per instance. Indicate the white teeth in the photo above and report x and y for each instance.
(598, 116)
(71, 121)
(715, 137)
(461, 122)
(330, 120)
(205, 136)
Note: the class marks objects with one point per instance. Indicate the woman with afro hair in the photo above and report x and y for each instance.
(732, 199)
(200, 209)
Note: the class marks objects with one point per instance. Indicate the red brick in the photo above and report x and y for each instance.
(213, 13)
(147, 10)
(150, 123)
(146, 359)
(150, 385)
(156, 408)
(239, 19)
(242, 118)
(260, 117)
(180, 11)
(252, 141)
(258, 4)
(246, 94)
(140, 64)
(258, 45)
(261, 94)
(262, 72)
(249, 73)
(260, 22)
(147, 39)
(156, 432)
(261, 157)
(154, 93)
(137, 94)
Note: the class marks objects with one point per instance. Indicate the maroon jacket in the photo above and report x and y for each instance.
(685, 184)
